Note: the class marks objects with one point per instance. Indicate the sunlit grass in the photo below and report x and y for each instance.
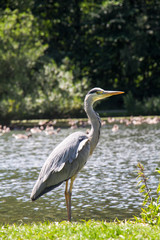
(79, 231)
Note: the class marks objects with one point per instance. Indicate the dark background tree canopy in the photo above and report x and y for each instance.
(53, 51)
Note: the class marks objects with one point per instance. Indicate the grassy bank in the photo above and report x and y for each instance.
(82, 230)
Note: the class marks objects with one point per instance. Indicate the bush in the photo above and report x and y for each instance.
(20, 49)
(152, 106)
(61, 89)
(148, 106)
(60, 92)
(151, 211)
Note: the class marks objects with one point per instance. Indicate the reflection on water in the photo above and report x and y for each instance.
(104, 189)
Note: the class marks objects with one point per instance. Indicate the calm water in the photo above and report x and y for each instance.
(104, 189)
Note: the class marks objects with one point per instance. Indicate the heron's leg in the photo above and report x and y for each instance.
(67, 198)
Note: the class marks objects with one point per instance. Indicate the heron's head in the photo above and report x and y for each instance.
(96, 94)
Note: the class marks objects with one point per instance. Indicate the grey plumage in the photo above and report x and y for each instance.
(65, 161)
(69, 157)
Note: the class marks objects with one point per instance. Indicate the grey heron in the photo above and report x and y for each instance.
(69, 157)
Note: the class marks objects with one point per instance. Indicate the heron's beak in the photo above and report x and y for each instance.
(111, 93)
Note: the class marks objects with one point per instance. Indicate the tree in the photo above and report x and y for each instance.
(20, 50)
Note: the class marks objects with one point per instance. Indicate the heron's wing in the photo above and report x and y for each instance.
(67, 151)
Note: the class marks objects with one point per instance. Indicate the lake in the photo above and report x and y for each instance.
(105, 188)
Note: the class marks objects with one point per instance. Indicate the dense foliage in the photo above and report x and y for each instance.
(53, 51)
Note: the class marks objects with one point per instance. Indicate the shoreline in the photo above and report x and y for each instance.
(82, 122)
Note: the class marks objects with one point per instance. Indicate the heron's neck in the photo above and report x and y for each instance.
(95, 125)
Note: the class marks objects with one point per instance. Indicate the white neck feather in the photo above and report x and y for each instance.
(95, 123)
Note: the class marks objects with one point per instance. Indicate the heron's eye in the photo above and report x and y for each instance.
(99, 92)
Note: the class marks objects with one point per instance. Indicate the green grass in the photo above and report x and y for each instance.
(79, 231)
